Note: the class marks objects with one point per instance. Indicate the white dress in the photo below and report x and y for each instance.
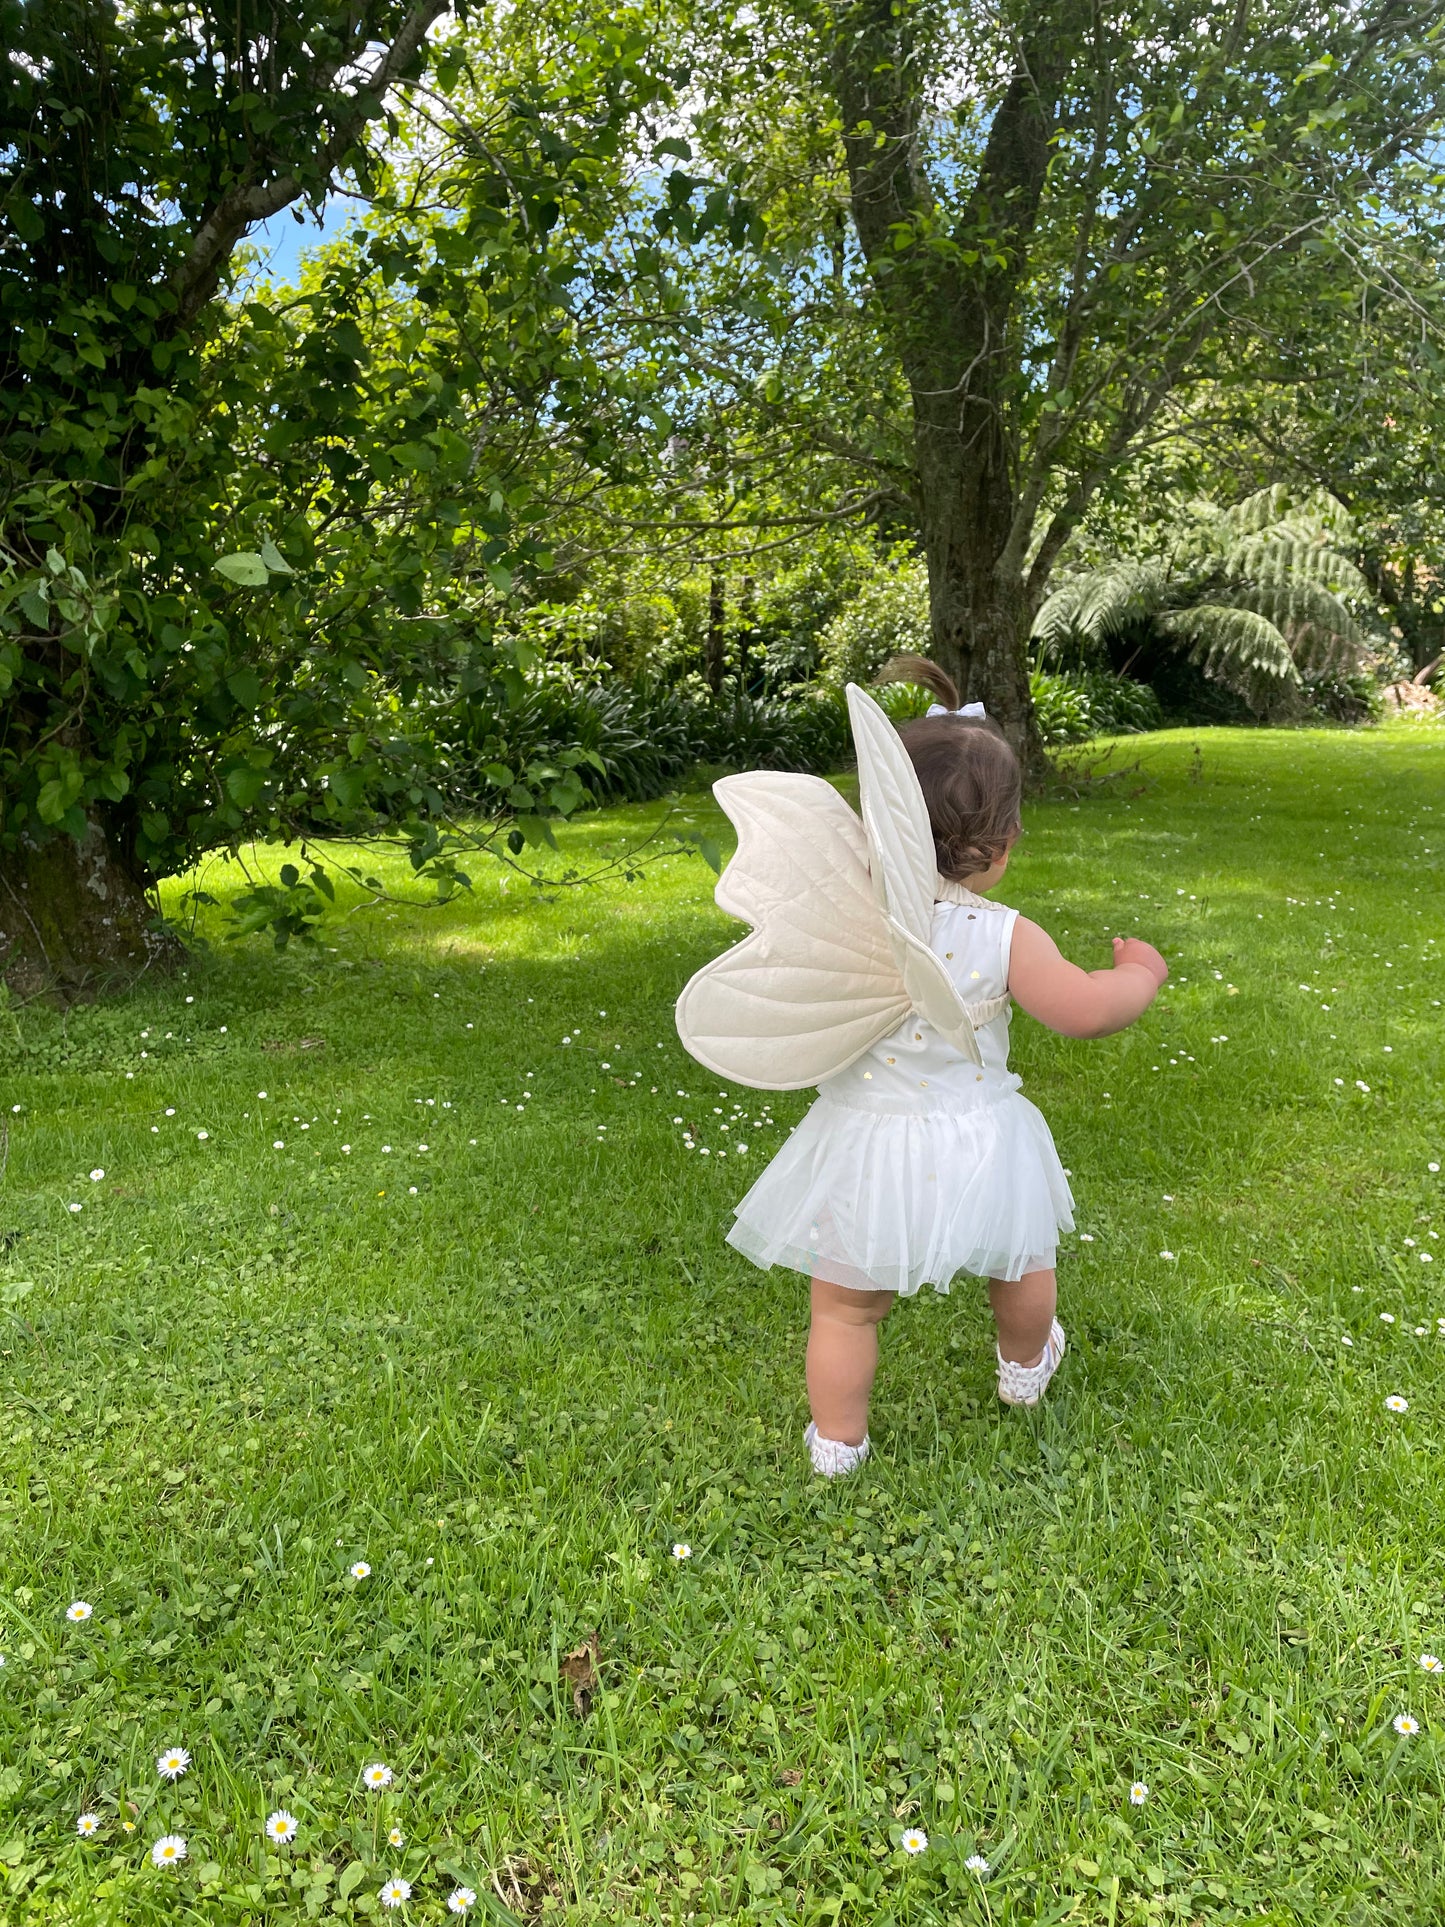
(914, 1163)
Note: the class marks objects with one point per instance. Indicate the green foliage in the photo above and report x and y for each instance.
(887, 617)
(1061, 709)
(1073, 705)
(238, 542)
(629, 743)
(511, 1391)
(1255, 596)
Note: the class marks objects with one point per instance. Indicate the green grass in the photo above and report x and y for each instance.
(511, 1369)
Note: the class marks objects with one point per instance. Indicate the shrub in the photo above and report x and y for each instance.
(888, 617)
(1062, 707)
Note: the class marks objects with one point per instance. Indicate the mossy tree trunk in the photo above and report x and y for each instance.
(75, 919)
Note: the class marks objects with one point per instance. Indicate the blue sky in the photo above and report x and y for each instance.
(283, 239)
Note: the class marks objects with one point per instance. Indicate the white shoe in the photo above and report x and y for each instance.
(831, 1457)
(1026, 1384)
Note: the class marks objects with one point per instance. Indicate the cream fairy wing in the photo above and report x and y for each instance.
(904, 868)
(817, 982)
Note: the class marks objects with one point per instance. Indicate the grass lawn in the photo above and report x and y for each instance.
(399, 1257)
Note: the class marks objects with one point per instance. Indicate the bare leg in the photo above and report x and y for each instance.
(1023, 1310)
(843, 1357)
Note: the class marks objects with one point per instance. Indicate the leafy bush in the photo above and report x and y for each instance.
(1061, 707)
(1070, 708)
(640, 740)
(1345, 699)
(1119, 706)
(888, 617)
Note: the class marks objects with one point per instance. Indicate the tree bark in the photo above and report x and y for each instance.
(714, 642)
(979, 612)
(950, 314)
(75, 920)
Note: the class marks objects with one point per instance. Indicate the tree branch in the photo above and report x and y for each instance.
(245, 204)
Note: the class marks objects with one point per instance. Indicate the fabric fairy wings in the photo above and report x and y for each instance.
(841, 913)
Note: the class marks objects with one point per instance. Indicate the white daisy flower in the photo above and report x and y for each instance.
(361, 1570)
(395, 1837)
(78, 1610)
(173, 1763)
(681, 1551)
(279, 1145)
(1167, 1254)
(169, 1850)
(914, 1840)
(1387, 1318)
(281, 1826)
(461, 1900)
(376, 1776)
(1394, 1403)
(1138, 1794)
(75, 1207)
(96, 1175)
(87, 1824)
(1430, 1664)
(396, 1892)
(202, 1136)
(976, 1863)
(1406, 1727)
(1346, 1339)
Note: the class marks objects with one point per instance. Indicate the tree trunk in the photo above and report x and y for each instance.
(979, 611)
(713, 645)
(951, 317)
(75, 921)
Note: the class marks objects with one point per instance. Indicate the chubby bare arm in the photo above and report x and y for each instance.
(1082, 1003)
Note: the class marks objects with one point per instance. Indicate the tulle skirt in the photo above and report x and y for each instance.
(887, 1200)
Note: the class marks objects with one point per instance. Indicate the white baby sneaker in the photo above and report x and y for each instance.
(831, 1457)
(1026, 1384)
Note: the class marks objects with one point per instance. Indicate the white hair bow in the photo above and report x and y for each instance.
(974, 710)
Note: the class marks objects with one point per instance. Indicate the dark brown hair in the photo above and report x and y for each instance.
(970, 777)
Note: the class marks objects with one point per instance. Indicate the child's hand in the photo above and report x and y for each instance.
(1134, 950)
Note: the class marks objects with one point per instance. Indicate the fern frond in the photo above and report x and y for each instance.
(1054, 623)
(1115, 597)
(1283, 552)
(1311, 508)
(1323, 636)
(1237, 647)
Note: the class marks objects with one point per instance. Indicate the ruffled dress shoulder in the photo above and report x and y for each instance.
(914, 1163)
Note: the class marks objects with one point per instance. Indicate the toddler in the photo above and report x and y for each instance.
(918, 1161)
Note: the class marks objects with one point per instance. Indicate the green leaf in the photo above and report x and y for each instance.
(351, 1879)
(274, 560)
(536, 830)
(244, 784)
(53, 800)
(290, 875)
(348, 786)
(245, 686)
(244, 568)
(25, 218)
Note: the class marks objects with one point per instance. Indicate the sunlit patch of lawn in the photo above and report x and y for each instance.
(399, 1261)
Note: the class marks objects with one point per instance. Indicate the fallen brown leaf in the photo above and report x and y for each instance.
(579, 1668)
(790, 1776)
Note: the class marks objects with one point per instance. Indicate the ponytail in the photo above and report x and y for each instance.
(928, 675)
